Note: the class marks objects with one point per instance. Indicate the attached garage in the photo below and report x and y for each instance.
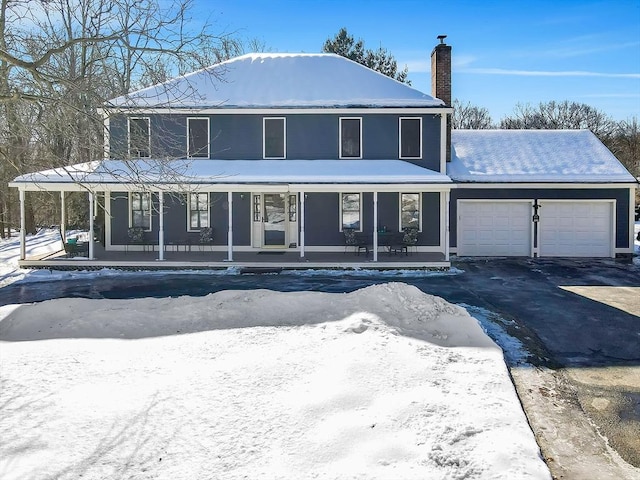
(495, 228)
(576, 228)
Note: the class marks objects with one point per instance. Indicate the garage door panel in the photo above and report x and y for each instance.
(578, 228)
(500, 228)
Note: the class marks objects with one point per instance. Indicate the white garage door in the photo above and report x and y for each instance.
(576, 229)
(495, 228)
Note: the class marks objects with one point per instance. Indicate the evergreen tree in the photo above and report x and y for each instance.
(380, 60)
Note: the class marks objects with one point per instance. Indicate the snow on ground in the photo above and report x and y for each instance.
(384, 382)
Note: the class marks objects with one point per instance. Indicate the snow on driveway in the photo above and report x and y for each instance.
(383, 383)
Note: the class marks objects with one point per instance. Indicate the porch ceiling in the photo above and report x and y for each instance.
(234, 175)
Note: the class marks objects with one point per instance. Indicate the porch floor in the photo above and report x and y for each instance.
(259, 260)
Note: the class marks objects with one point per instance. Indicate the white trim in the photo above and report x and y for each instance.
(264, 138)
(282, 111)
(107, 220)
(150, 209)
(63, 216)
(161, 225)
(23, 232)
(443, 143)
(189, 228)
(447, 215)
(301, 243)
(230, 227)
(208, 137)
(340, 194)
(400, 119)
(419, 208)
(375, 226)
(91, 224)
(148, 119)
(340, 156)
(572, 185)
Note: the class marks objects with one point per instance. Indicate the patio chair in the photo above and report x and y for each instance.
(205, 237)
(410, 239)
(352, 239)
(135, 236)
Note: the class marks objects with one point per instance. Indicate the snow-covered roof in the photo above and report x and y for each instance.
(271, 80)
(567, 156)
(238, 172)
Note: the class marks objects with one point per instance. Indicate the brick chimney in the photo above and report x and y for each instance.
(441, 80)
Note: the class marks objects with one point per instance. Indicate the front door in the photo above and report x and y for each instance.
(275, 220)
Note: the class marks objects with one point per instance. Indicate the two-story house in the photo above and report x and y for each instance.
(287, 152)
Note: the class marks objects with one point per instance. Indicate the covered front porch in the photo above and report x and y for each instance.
(265, 214)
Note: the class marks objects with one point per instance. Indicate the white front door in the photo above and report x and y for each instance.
(495, 228)
(274, 221)
(576, 228)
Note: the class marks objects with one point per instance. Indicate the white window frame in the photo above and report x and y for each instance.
(340, 199)
(150, 209)
(208, 136)
(400, 138)
(341, 156)
(419, 209)
(148, 119)
(264, 137)
(197, 229)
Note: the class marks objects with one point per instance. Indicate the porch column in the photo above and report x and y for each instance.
(230, 229)
(301, 224)
(375, 226)
(23, 233)
(63, 216)
(91, 215)
(447, 199)
(161, 225)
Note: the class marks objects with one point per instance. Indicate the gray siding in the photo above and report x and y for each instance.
(621, 195)
(309, 137)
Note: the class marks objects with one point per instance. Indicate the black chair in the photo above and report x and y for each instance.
(135, 236)
(205, 237)
(352, 239)
(410, 239)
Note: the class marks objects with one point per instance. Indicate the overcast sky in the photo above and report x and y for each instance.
(504, 52)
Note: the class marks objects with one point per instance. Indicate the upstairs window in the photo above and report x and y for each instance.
(411, 137)
(198, 211)
(274, 139)
(350, 211)
(410, 210)
(140, 203)
(350, 138)
(198, 137)
(139, 137)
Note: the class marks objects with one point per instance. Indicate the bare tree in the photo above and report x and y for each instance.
(468, 116)
(560, 115)
(625, 144)
(61, 59)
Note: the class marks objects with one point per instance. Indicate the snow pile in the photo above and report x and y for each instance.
(382, 383)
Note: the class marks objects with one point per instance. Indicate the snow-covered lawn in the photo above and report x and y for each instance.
(382, 383)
